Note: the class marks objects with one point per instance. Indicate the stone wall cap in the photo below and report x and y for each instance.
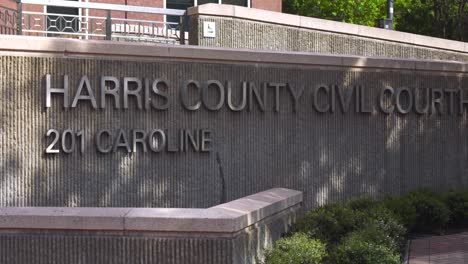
(74, 48)
(266, 16)
(225, 218)
(62, 218)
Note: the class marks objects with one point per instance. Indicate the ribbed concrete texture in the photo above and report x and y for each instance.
(43, 247)
(47, 247)
(240, 240)
(328, 156)
(248, 34)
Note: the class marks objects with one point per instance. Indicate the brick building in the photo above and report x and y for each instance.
(272, 5)
(39, 20)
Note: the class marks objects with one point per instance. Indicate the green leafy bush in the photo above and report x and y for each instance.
(457, 203)
(374, 235)
(363, 230)
(348, 219)
(332, 222)
(355, 248)
(374, 214)
(329, 223)
(385, 221)
(431, 213)
(402, 210)
(361, 203)
(319, 223)
(297, 249)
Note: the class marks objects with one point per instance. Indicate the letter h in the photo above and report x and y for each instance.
(50, 91)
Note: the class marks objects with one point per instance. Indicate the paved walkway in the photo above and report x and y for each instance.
(449, 249)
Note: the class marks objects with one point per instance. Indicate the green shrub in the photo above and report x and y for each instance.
(355, 249)
(375, 214)
(374, 235)
(431, 213)
(385, 221)
(367, 231)
(318, 223)
(457, 203)
(402, 209)
(329, 223)
(297, 249)
(361, 203)
(348, 219)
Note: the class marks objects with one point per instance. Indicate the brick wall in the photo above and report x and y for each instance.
(13, 5)
(131, 15)
(8, 3)
(153, 3)
(97, 25)
(272, 5)
(94, 23)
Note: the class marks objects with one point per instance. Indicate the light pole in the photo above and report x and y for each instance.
(389, 15)
(386, 23)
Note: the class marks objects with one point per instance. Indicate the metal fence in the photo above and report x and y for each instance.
(8, 21)
(84, 20)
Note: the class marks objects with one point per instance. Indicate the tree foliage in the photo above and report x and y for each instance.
(350, 11)
(438, 18)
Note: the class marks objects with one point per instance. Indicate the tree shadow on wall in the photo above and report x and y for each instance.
(328, 156)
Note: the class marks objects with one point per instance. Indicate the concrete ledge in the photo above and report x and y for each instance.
(237, 232)
(326, 25)
(17, 45)
(226, 218)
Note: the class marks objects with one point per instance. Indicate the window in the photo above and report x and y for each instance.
(63, 23)
(177, 4)
(235, 2)
(202, 2)
(184, 4)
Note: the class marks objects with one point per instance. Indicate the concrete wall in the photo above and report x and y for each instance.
(236, 232)
(328, 156)
(238, 27)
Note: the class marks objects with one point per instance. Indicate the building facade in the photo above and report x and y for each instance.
(86, 22)
(271, 5)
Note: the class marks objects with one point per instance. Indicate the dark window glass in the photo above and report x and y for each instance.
(69, 24)
(177, 4)
(235, 2)
(202, 2)
(226, 2)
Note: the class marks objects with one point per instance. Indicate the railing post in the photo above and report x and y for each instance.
(108, 26)
(20, 17)
(182, 23)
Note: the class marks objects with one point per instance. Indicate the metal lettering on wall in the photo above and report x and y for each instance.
(213, 95)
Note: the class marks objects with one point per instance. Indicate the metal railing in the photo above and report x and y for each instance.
(86, 20)
(8, 21)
